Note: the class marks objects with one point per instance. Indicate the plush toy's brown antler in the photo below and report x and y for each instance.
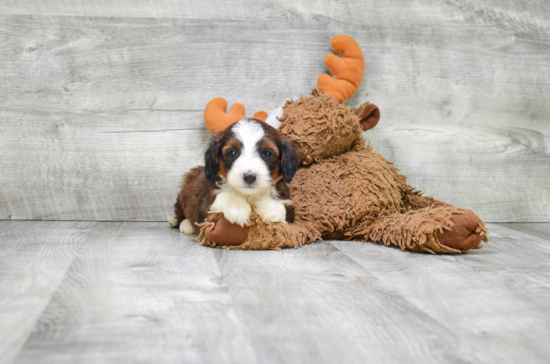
(347, 70)
(215, 116)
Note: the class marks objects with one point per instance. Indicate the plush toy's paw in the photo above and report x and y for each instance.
(271, 210)
(186, 227)
(465, 234)
(235, 208)
(224, 232)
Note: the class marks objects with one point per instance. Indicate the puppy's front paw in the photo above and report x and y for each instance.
(234, 208)
(173, 221)
(271, 210)
(186, 227)
(238, 213)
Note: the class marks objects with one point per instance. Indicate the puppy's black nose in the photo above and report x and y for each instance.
(249, 177)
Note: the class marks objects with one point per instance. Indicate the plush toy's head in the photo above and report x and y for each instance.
(321, 128)
(322, 125)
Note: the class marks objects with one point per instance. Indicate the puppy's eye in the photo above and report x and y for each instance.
(232, 153)
(267, 154)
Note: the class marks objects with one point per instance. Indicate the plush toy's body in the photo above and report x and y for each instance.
(349, 192)
(345, 191)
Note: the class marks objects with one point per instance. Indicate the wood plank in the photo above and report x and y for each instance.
(316, 305)
(496, 300)
(184, 9)
(542, 230)
(96, 166)
(463, 103)
(34, 257)
(140, 292)
(524, 14)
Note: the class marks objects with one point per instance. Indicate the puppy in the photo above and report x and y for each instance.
(247, 166)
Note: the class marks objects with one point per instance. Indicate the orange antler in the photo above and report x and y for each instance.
(260, 115)
(216, 118)
(347, 70)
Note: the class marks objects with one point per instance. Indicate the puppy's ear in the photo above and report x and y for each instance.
(211, 159)
(289, 160)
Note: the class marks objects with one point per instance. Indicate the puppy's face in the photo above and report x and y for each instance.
(249, 156)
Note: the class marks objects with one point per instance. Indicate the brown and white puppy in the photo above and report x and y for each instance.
(246, 167)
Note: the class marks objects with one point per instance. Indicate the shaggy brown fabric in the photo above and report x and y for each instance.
(264, 235)
(319, 127)
(336, 193)
(416, 230)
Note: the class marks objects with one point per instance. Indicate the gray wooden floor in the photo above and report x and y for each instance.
(132, 292)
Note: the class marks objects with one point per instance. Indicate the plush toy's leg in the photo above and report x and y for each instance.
(216, 231)
(442, 229)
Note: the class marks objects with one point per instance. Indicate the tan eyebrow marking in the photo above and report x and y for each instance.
(269, 144)
(232, 143)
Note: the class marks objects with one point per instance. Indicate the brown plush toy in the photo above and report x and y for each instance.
(343, 190)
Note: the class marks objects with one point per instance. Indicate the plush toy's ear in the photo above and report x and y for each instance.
(211, 159)
(260, 115)
(347, 70)
(290, 161)
(369, 115)
(215, 117)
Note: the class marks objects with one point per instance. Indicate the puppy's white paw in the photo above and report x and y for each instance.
(234, 208)
(186, 227)
(173, 221)
(271, 210)
(238, 214)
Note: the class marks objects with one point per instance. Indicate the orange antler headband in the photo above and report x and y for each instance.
(216, 118)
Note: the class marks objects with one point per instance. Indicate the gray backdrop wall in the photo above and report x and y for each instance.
(101, 102)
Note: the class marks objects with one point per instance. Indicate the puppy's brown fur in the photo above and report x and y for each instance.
(195, 198)
(199, 185)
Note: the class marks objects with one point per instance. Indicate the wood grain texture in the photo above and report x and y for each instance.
(316, 305)
(140, 292)
(525, 15)
(496, 300)
(103, 102)
(143, 293)
(34, 257)
(542, 230)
